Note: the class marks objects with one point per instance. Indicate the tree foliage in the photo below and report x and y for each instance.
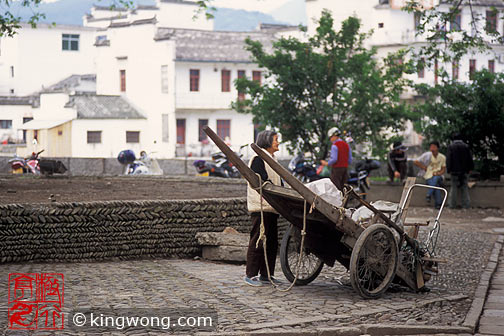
(446, 40)
(330, 80)
(475, 110)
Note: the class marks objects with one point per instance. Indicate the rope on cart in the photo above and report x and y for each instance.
(262, 237)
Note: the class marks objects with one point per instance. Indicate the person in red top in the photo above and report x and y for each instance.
(341, 157)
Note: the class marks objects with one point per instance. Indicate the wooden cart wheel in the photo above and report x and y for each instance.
(310, 266)
(374, 261)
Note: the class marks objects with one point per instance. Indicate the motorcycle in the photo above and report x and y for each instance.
(219, 166)
(359, 178)
(303, 169)
(21, 165)
(36, 166)
(307, 171)
(145, 165)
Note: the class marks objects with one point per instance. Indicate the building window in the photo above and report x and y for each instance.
(456, 23)
(225, 80)
(455, 70)
(60, 132)
(12, 71)
(241, 74)
(416, 22)
(70, 42)
(194, 77)
(491, 66)
(381, 25)
(201, 134)
(256, 76)
(421, 68)
(93, 137)
(122, 80)
(181, 131)
(224, 128)
(35, 135)
(25, 120)
(164, 78)
(132, 137)
(472, 68)
(491, 21)
(6, 124)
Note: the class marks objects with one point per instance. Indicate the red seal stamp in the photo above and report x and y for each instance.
(36, 301)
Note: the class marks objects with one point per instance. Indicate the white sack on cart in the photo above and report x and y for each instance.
(327, 191)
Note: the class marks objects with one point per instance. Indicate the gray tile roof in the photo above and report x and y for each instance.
(212, 46)
(34, 101)
(103, 107)
(77, 83)
(496, 3)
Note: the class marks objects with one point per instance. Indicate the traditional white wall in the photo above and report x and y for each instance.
(113, 139)
(39, 60)
(180, 15)
(16, 113)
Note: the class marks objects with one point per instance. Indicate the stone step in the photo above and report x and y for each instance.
(490, 330)
(222, 238)
(225, 253)
(493, 313)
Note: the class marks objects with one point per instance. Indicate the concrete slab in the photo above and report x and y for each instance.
(490, 330)
(496, 299)
(498, 230)
(493, 321)
(493, 219)
(493, 313)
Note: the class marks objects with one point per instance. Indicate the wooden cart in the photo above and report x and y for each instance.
(376, 256)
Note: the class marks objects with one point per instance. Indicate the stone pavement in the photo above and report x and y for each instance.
(492, 319)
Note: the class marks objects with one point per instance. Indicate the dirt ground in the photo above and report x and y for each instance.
(33, 189)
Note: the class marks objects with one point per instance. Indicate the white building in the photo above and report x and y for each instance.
(182, 78)
(38, 57)
(395, 29)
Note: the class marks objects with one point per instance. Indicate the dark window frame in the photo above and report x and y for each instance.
(225, 80)
(94, 137)
(241, 74)
(491, 66)
(181, 126)
(6, 124)
(194, 80)
(70, 42)
(472, 68)
(122, 80)
(201, 134)
(132, 136)
(224, 128)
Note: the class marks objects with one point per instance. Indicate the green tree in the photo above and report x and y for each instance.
(444, 33)
(330, 80)
(474, 110)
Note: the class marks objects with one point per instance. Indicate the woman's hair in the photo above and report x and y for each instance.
(265, 139)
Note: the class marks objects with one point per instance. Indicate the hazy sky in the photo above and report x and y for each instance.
(251, 5)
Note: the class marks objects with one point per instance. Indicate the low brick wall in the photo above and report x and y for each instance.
(71, 232)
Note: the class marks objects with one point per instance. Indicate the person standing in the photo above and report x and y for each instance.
(341, 157)
(268, 142)
(433, 166)
(459, 163)
(397, 162)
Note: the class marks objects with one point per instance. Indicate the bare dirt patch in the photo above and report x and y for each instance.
(34, 189)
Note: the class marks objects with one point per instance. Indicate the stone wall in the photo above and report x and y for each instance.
(72, 232)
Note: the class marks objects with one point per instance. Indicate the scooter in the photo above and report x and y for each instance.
(359, 177)
(302, 169)
(219, 166)
(21, 165)
(144, 165)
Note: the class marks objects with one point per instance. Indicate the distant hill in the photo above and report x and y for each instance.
(292, 12)
(240, 20)
(72, 11)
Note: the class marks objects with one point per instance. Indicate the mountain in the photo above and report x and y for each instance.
(72, 11)
(240, 20)
(292, 12)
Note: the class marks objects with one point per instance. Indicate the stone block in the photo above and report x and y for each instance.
(341, 331)
(221, 238)
(490, 330)
(388, 329)
(225, 253)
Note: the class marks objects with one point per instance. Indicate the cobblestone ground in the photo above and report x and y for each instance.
(328, 301)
